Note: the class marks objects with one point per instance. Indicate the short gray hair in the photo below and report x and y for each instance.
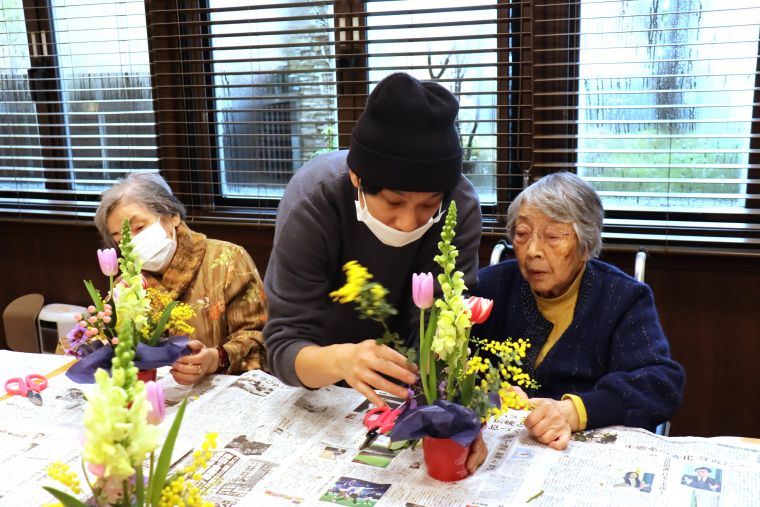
(148, 189)
(566, 198)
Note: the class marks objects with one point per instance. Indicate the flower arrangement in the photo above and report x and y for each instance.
(461, 388)
(161, 321)
(165, 316)
(446, 346)
(121, 420)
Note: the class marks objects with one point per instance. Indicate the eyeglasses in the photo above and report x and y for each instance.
(551, 235)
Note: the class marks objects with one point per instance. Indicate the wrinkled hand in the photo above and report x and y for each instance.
(519, 391)
(363, 363)
(552, 421)
(192, 368)
(477, 455)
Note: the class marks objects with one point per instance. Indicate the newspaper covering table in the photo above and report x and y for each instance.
(280, 445)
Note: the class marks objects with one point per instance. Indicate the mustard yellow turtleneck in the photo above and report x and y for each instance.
(559, 311)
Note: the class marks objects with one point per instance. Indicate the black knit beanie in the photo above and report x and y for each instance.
(406, 139)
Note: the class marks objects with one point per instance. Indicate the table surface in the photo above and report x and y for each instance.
(280, 445)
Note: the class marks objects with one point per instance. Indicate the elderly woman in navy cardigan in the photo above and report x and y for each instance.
(597, 348)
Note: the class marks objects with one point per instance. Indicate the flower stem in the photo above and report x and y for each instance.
(86, 477)
(139, 486)
(424, 357)
(429, 381)
(125, 501)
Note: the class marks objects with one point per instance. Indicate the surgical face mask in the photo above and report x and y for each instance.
(388, 235)
(154, 248)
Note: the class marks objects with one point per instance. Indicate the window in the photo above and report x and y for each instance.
(20, 150)
(273, 82)
(655, 102)
(77, 93)
(102, 51)
(456, 47)
(660, 103)
(278, 83)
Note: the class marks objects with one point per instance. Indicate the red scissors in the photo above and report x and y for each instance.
(380, 420)
(29, 387)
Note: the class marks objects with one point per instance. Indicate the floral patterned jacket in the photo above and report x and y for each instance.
(220, 282)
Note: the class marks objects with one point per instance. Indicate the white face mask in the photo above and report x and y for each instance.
(154, 248)
(388, 235)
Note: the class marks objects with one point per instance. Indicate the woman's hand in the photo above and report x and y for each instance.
(362, 365)
(192, 368)
(552, 421)
(477, 455)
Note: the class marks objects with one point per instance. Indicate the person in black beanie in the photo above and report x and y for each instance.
(379, 203)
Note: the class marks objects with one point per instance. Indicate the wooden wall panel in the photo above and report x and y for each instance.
(708, 307)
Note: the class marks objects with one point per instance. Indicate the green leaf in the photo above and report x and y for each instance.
(158, 480)
(162, 323)
(139, 486)
(466, 387)
(425, 353)
(66, 499)
(94, 294)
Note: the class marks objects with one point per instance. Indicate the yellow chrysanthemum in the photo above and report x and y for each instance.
(356, 276)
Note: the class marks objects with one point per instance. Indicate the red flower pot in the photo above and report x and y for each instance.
(445, 459)
(146, 375)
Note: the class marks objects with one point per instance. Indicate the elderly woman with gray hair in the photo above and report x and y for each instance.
(597, 348)
(217, 279)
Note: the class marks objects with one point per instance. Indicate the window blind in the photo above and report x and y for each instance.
(76, 101)
(474, 49)
(657, 105)
(249, 94)
(256, 89)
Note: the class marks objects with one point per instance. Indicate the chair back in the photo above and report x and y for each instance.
(639, 268)
(500, 252)
(20, 323)
(640, 264)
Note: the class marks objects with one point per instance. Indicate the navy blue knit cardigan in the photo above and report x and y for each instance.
(614, 355)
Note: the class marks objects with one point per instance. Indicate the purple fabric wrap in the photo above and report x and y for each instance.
(146, 358)
(442, 419)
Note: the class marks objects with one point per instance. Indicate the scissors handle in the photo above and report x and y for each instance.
(36, 382)
(373, 416)
(381, 418)
(16, 386)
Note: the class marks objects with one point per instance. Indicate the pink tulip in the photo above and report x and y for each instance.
(480, 309)
(155, 396)
(422, 290)
(116, 292)
(96, 470)
(109, 263)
